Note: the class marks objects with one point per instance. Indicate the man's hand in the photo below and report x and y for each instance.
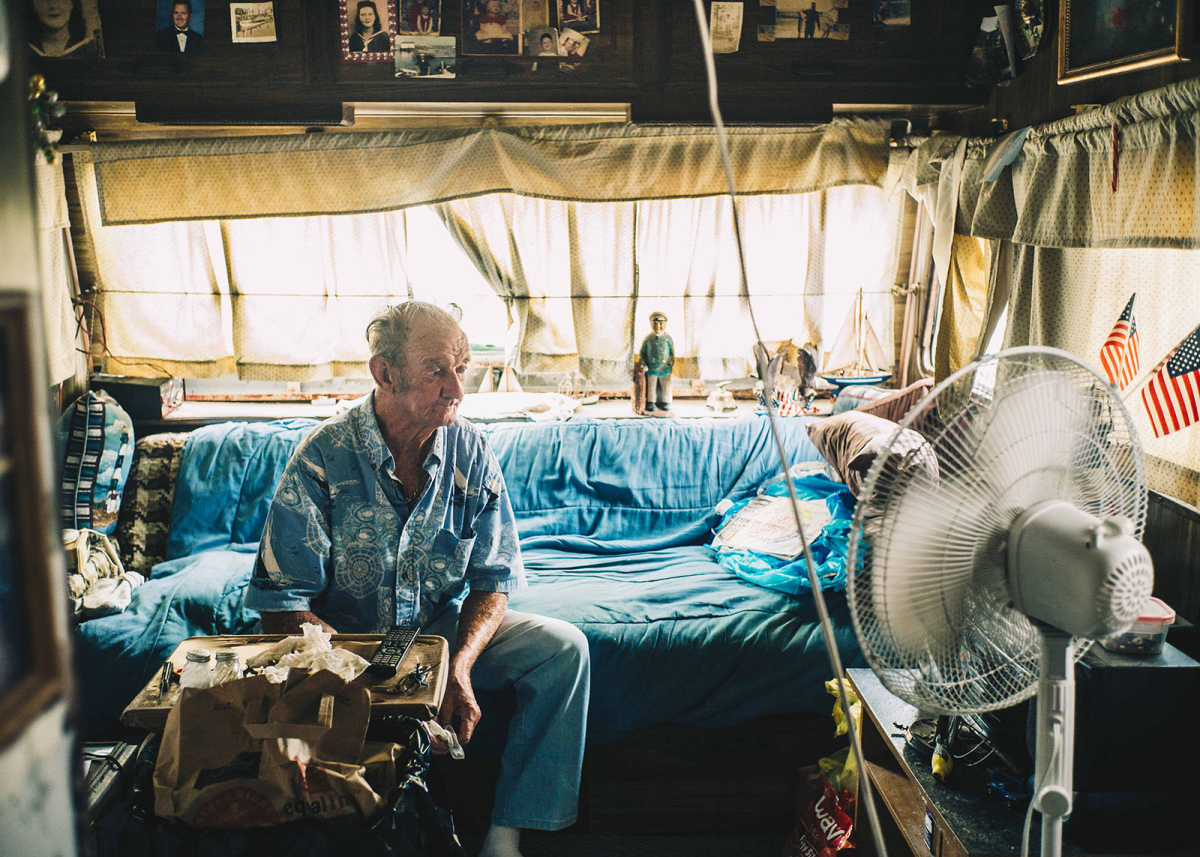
(459, 703)
(477, 622)
(289, 622)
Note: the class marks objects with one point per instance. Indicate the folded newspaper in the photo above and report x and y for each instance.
(767, 525)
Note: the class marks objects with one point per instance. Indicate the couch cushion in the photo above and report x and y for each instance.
(227, 479)
(145, 516)
(674, 637)
(618, 485)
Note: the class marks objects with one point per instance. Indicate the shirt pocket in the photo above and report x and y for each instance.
(449, 556)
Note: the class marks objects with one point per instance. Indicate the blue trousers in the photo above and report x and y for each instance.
(546, 661)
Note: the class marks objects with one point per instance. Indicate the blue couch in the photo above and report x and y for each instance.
(614, 517)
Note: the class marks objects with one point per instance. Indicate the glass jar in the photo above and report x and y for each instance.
(229, 667)
(197, 670)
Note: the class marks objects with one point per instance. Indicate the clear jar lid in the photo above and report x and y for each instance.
(199, 656)
(226, 655)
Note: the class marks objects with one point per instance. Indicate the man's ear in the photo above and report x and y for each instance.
(387, 376)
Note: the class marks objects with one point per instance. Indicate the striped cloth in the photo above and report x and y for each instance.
(1172, 395)
(1119, 354)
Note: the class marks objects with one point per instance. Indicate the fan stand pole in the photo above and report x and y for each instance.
(1055, 736)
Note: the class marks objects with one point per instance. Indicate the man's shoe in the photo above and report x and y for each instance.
(649, 408)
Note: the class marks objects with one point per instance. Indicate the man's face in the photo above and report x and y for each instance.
(181, 14)
(435, 364)
(659, 326)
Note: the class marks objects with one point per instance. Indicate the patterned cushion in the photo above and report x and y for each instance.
(145, 514)
(97, 440)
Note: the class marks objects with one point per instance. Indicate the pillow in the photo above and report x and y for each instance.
(97, 442)
(850, 442)
(855, 396)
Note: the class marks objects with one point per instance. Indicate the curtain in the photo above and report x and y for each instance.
(581, 279)
(1070, 299)
(58, 313)
(1087, 211)
(166, 306)
(338, 173)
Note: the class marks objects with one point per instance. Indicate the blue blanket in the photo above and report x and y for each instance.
(613, 517)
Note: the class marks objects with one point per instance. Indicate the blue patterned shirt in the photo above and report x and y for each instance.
(341, 541)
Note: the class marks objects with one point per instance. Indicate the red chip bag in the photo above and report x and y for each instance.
(826, 825)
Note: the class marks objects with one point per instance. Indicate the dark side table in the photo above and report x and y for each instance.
(923, 817)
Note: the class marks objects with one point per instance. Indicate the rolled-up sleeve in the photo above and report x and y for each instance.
(495, 564)
(293, 564)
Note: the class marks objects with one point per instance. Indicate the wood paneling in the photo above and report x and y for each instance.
(648, 55)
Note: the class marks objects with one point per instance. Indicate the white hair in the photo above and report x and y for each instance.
(388, 332)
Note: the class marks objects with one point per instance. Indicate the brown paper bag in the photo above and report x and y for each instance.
(251, 753)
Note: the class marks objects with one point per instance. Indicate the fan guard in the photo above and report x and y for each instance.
(927, 587)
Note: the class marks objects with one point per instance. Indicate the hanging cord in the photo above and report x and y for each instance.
(99, 316)
(831, 649)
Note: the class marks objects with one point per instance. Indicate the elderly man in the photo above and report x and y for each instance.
(396, 512)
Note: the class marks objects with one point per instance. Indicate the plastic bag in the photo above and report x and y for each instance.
(311, 651)
(828, 549)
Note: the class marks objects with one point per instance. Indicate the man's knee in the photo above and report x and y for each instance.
(564, 642)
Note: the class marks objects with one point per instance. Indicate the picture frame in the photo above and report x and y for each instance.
(356, 47)
(32, 658)
(1095, 41)
(491, 28)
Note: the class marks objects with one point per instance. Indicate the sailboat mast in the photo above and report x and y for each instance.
(860, 330)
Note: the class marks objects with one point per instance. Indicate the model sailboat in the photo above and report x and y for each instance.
(857, 357)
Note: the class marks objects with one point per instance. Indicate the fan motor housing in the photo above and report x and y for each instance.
(1084, 575)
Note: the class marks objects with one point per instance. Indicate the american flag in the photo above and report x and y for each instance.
(1119, 354)
(1172, 395)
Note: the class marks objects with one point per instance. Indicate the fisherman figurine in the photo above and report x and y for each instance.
(657, 358)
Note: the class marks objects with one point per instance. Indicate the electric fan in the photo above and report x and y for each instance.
(977, 579)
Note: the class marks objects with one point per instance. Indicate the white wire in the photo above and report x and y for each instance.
(835, 660)
(1050, 763)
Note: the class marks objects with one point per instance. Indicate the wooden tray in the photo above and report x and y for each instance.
(148, 712)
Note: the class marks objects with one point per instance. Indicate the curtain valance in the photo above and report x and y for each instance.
(228, 178)
(1058, 192)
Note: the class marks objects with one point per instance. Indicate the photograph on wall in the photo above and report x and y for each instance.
(180, 26)
(725, 26)
(813, 19)
(541, 42)
(572, 45)
(891, 13)
(535, 14)
(69, 29)
(252, 22)
(491, 27)
(420, 17)
(426, 57)
(367, 27)
(582, 16)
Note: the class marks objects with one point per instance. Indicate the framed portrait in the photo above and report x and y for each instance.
(420, 17)
(66, 30)
(582, 16)
(1099, 37)
(31, 659)
(367, 30)
(180, 26)
(491, 27)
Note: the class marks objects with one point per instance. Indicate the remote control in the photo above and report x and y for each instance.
(392, 650)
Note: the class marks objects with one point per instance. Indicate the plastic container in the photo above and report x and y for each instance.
(1147, 635)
